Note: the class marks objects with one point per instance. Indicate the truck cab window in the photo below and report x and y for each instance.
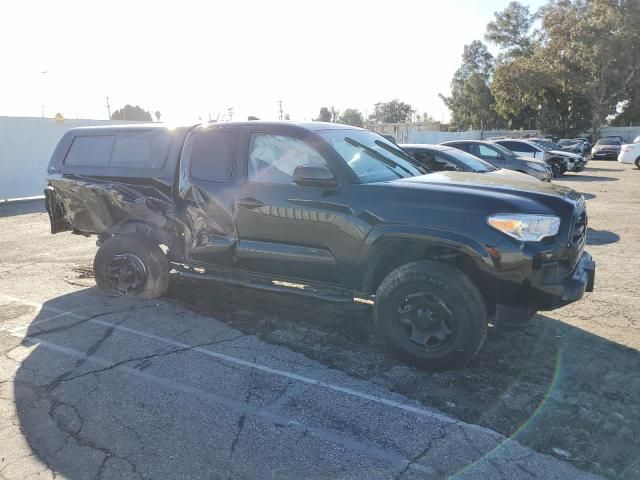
(90, 151)
(273, 158)
(212, 156)
(141, 149)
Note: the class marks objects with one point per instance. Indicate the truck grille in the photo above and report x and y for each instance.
(578, 234)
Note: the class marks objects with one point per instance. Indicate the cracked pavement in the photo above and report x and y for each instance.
(93, 387)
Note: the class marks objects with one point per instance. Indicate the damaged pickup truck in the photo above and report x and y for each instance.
(324, 210)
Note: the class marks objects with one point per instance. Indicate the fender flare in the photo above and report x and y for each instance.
(381, 239)
(144, 229)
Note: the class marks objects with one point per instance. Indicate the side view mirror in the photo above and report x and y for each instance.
(314, 175)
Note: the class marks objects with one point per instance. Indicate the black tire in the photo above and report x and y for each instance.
(131, 266)
(455, 311)
(637, 162)
(512, 319)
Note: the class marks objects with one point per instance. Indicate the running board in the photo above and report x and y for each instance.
(270, 284)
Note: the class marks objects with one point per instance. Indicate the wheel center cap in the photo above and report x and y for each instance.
(425, 318)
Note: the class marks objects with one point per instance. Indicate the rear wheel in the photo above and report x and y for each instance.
(130, 266)
(431, 314)
(637, 162)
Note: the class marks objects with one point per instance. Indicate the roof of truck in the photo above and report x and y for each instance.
(310, 126)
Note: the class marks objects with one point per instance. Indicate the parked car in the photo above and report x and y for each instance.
(438, 158)
(615, 136)
(576, 161)
(524, 148)
(500, 157)
(630, 152)
(573, 145)
(324, 210)
(606, 148)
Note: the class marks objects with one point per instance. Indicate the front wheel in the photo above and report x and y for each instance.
(637, 162)
(431, 314)
(130, 266)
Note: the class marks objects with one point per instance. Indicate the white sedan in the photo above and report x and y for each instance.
(630, 152)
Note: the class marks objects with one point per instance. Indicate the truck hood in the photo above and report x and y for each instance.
(502, 181)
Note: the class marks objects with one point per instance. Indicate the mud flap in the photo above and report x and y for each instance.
(57, 218)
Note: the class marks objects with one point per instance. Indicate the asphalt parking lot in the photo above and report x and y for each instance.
(213, 382)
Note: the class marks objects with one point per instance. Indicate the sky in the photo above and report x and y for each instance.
(191, 59)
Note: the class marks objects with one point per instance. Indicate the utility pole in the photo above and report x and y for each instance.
(108, 108)
(280, 105)
(230, 112)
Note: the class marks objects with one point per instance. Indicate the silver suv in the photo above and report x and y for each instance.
(501, 157)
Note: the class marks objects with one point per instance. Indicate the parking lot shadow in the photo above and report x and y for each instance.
(585, 178)
(8, 209)
(554, 387)
(601, 237)
(550, 386)
(598, 169)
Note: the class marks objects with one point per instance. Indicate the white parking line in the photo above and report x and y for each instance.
(266, 369)
(392, 457)
(48, 319)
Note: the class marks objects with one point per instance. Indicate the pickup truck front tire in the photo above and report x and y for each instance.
(431, 314)
(131, 266)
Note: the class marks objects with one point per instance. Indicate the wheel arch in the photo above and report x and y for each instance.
(395, 247)
(159, 235)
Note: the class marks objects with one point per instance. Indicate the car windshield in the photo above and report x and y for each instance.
(637, 139)
(474, 163)
(566, 143)
(608, 141)
(372, 157)
(545, 144)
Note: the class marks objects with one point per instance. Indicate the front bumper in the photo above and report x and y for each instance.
(549, 296)
(607, 155)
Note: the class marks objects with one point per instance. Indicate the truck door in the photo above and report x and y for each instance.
(286, 229)
(206, 186)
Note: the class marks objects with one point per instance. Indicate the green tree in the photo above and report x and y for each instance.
(629, 110)
(510, 30)
(335, 114)
(325, 115)
(604, 49)
(134, 114)
(528, 97)
(394, 111)
(471, 101)
(352, 117)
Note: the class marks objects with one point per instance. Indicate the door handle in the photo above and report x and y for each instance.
(250, 203)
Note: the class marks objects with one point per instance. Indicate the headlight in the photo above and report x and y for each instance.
(537, 166)
(525, 227)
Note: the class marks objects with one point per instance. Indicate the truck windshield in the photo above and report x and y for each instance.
(372, 157)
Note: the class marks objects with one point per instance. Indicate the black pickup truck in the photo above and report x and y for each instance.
(325, 210)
